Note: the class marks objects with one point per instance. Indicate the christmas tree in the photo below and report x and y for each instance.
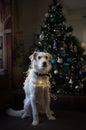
(57, 38)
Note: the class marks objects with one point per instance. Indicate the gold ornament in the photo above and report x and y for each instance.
(62, 48)
(55, 71)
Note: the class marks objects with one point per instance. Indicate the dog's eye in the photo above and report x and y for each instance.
(39, 57)
(46, 57)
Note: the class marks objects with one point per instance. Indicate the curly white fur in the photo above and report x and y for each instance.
(37, 89)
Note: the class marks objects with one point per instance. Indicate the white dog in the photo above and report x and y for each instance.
(37, 88)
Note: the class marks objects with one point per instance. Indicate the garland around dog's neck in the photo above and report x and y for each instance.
(39, 74)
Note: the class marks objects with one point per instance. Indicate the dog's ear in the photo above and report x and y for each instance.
(50, 56)
(33, 56)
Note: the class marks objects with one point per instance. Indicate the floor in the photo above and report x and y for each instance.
(65, 120)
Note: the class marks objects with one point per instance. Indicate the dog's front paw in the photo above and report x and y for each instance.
(51, 118)
(34, 123)
(51, 112)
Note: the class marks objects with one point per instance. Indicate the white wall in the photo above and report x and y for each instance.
(33, 14)
(78, 22)
(79, 27)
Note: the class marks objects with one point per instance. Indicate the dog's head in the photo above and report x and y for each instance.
(40, 62)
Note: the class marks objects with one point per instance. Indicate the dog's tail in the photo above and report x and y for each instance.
(16, 113)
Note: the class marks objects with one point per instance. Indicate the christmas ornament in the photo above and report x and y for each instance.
(67, 77)
(53, 61)
(75, 49)
(46, 15)
(69, 60)
(83, 45)
(61, 48)
(59, 60)
(72, 68)
(76, 87)
(50, 46)
(80, 72)
(63, 52)
(66, 64)
(53, 82)
(70, 81)
(45, 26)
(60, 91)
(55, 71)
(52, 20)
(39, 43)
(60, 76)
(38, 50)
(54, 45)
(62, 25)
(54, 30)
(41, 36)
(77, 90)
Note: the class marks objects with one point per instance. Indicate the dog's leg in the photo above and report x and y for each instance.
(27, 108)
(47, 104)
(34, 107)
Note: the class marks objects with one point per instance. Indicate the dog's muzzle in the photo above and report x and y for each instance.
(44, 64)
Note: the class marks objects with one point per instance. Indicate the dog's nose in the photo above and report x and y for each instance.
(44, 64)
